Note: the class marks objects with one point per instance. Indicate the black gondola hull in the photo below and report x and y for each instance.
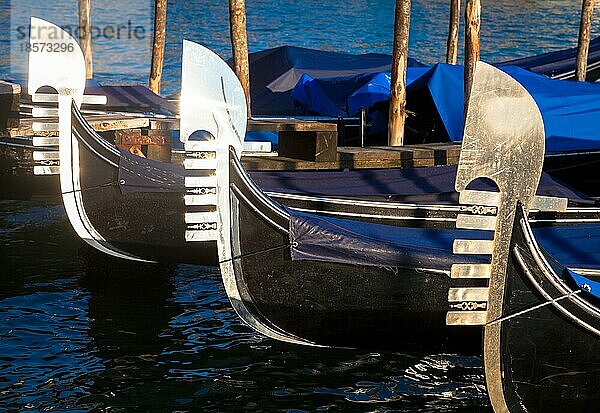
(550, 355)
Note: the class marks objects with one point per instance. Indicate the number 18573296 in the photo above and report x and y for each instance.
(47, 47)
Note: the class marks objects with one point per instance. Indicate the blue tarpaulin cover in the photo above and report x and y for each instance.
(338, 240)
(571, 110)
(274, 72)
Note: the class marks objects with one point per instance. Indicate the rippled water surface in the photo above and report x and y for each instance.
(81, 333)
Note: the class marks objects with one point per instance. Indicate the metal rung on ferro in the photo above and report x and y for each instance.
(481, 222)
(45, 141)
(46, 170)
(46, 155)
(472, 246)
(470, 271)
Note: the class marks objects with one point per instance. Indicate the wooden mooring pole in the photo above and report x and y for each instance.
(239, 45)
(472, 42)
(398, 84)
(453, 25)
(158, 45)
(85, 35)
(583, 44)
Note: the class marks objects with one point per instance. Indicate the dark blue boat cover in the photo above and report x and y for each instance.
(137, 174)
(319, 238)
(559, 63)
(328, 239)
(570, 110)
(431, 185)
(275, 72)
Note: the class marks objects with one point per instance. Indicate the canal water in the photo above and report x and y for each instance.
(80, 332)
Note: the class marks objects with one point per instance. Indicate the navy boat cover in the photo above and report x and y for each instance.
(431, 185)
(275, 72)
(328, 239)
(434, 185)
(560, 63)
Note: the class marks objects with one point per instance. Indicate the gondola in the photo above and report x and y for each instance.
(311, 280)
(543, 348)
(540, 319)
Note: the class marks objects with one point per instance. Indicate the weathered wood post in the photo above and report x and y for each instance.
(453, 25)
(158, 46)
(472, 42)
(239, 45)
(583, 45)
(85, 35)
(399, 64)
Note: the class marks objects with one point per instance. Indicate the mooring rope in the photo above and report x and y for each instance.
(249, 254)
(535, 307)
(105, 185)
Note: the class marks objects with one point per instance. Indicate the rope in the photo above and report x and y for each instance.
(535, 307)
(278, 247)
(90, 188)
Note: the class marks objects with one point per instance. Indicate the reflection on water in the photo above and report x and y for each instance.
(79, 331)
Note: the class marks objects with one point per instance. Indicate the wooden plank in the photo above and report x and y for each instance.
(371, 157)
(158, 45)
(263, 125)
(349, 153)
(99, 122)
(409, 151)
(289, 125)
(397, 115)
(159, 152)
(583, 43)
(441, 153)
(164, 124)
(239, 45)
(127, 136)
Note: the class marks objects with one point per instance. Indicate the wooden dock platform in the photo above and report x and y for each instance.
(434, 154)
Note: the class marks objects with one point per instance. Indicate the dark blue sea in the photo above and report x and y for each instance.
(79, 332)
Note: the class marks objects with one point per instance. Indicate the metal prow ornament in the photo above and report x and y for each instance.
(504, 141)
(65, 72)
